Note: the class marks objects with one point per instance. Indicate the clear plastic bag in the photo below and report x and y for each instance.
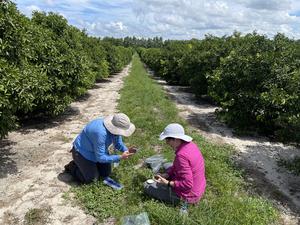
(140, 219)
(167, 165)
(155, 162)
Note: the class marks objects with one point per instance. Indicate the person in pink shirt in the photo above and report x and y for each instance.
(185, 179)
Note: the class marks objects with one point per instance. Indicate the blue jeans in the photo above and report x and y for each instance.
(87, 171)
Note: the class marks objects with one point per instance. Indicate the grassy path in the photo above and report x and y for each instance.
(226, 200)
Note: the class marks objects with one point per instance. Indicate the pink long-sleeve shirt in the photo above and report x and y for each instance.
(188, 172)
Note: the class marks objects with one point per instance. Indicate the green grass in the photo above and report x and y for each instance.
(226, 200)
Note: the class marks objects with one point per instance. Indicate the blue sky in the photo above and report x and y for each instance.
(174, 19)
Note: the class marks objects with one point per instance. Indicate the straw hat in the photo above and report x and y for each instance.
(119, 124)
(175, 130)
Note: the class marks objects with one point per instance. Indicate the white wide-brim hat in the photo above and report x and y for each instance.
(119, 124)
(175, 130)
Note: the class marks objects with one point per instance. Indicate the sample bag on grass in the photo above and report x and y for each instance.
(155, 162)
(140, 219)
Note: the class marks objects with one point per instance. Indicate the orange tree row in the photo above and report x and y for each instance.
(255, 80)
(46, 63)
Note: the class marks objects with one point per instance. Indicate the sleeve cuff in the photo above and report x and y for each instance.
(118, 158)
(175, 184)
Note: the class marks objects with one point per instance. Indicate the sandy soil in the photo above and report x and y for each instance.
(257, 155)
(32, 181)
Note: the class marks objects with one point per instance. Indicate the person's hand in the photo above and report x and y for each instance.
(159, 179)
(126, 155)
(133, 149)
(164, 175)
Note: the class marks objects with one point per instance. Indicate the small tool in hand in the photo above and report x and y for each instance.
(133, 150)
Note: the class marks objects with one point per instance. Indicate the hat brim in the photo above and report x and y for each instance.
(117, 131)
(182, 137)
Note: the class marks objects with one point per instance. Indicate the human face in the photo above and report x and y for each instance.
(168, 141)
(172, 142)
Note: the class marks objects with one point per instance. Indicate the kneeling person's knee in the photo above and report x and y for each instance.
(90, 177)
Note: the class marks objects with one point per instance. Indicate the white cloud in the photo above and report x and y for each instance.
(116, 26)
(50, 2)
(106, 29)
(218, 17)
(77, 2)
(33, 8)
(269, 4)
(217, 8)
(29, 9)
(176, 18)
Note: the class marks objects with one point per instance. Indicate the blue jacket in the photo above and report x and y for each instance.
(93, 142)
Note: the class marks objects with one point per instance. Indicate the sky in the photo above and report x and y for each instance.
(174, 19)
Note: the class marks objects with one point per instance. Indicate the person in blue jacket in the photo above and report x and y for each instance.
(91, 158)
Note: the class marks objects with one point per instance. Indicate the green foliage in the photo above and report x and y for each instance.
(236, 83)
(196, 67)
(174, 51)
(96, 52)
(52, 21)
(13, 37)
(255, 80)
(136, 43)
(46, 63)
(7, 120)
(117, 56)
(153, 58)
(257, 84)
(166, 62)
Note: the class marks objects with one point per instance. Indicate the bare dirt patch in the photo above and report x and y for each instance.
(256, 155)
(32, 160)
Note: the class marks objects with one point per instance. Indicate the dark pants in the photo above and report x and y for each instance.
(161, 192)
(87, 171)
